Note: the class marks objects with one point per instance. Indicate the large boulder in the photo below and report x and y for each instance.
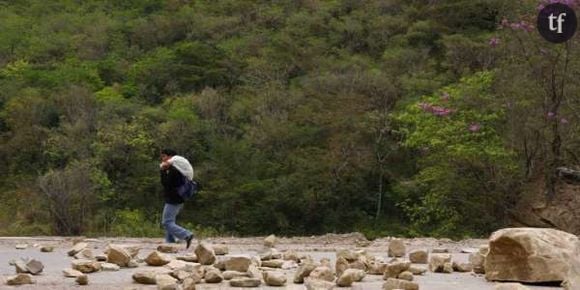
(530, 255)
(573, 280)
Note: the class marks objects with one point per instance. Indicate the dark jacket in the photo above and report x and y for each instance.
(171, 179)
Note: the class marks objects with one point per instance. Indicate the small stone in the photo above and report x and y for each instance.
(189, 283)
(322, 273)
(396, 268)
(510, 286)
(287, 265)
(20, 266)
(229, 275)
(221, 250)
(101, 258)
(21, 246)
(437, 262)
(439, 250)
(168, 248)
(245, 282)
(392, 284)
(110, 267)
(77, 248)
(34, 267)
(132, 264)
(205, 254)
(462, 267)
(448, 268)
(269, 254)
(86, 266)
(348, 255)
(145, 277)
(166, 282)
(303, 271)
(316, 284)
(396, 248)
(273, 263)
(71, 273)
(213, 275)
(82, 279)
(157, 259)
(291, 255)
(350, 276)
(377, 268)
(188, 258)
(85, 254)
(407, 275)
(417, 270)
(419, 257)
(275, 278)
(19, 279)
(239, 263)
(118, 255)
(47, 249)
(270, 241)
(254, 272)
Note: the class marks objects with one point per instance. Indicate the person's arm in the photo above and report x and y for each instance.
(174, 178)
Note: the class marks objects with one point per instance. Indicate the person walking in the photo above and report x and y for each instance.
(174, 170)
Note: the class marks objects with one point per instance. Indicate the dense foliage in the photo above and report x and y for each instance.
(381, 116)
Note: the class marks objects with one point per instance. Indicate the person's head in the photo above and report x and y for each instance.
(166, 154)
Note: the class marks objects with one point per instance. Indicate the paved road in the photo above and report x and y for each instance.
(56, 261)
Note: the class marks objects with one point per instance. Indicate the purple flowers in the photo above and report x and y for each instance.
(522, 25)
(435, 110)
(494, 42)
(474, 127)
(551, 115)
(571, 3)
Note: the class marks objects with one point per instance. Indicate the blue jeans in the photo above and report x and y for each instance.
(172, 230)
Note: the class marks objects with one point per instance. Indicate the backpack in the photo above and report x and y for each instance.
(188, 189)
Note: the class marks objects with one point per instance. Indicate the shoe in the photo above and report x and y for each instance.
(188, 241)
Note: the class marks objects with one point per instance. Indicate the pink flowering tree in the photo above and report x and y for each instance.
(464, 163)
(537, 84)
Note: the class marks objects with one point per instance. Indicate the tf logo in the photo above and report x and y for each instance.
(557, 23)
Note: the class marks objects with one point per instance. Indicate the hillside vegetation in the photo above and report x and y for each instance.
(300, 116)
